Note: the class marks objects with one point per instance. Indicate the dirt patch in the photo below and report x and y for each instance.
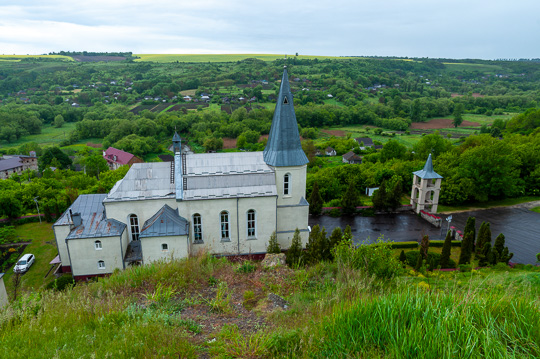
(337, 133)
(93, 145)
(229, 143)
(439, 123)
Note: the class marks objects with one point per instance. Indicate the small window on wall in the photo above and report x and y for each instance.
(134, 226)
(101, 265)
(224, 219)
(164, 247)
(286, 184)
(197, 227)
(251, 224)
(97, 245)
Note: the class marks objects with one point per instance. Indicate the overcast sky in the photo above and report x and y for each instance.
(487, 29)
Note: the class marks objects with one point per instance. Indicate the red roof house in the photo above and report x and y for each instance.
(116, 158)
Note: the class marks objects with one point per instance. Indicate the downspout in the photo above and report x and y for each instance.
(237, 225)
(122, 250)
(69, 256)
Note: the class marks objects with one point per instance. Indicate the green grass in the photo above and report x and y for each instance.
(221, 57)
(489, 204)
(472, 67)
(536, 209)
(334, 102)
(43, 246)
(49, 136)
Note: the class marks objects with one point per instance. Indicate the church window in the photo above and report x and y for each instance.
(101, 265)
(224, 219)
(285, 101)
(197, 227)
(286, 184)
(97, 245)
(164, 247)
(134, 225)
(251, 224)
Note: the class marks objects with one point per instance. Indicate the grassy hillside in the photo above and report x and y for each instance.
(207, 307)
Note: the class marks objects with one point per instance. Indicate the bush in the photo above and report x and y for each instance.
(61, 283)
(246, 267)
(273, 245)
(432, 260)
(465, 267)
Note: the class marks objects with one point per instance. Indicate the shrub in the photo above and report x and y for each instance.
(432, 261)
(246, 267)
(61, 283)
(273, 245)
(294, 255)
(465, 267)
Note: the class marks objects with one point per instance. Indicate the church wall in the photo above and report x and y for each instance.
(152, 248)
(60, 233)
(290, 218)
(85, 256)
(3, 293)
(265, 208)
(297, 189)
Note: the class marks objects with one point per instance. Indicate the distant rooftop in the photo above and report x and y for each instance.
(115, 155)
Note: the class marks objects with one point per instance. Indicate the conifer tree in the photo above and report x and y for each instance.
(273, 245)
(312, 246)
(294, 254)
(500, 252)
(349, 201)
(347, 235)
(446, 251)
(315, 200)
(470, 226)
(403, 257)
(379, 198)
(484, 236)
(335, 238)
(468, 241)
(486, 256)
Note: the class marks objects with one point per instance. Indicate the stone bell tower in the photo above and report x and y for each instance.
(426, 189)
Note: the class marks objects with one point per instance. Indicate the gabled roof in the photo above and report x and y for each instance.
(283, 147)
(427, 172)
(10, 163)
(166, 222)
(368, 142)
(122, 157)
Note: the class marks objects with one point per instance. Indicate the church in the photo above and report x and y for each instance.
(222, 203)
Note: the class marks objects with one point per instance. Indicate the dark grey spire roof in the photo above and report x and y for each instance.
(176, 137)
(283, 148)
(427, 172)
(166, 222)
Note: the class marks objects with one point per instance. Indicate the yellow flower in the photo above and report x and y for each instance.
(423, 285)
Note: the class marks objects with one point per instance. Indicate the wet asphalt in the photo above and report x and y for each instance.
(520, 226)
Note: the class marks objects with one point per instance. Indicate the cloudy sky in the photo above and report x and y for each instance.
(487, 29)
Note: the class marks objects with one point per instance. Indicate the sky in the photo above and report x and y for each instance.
(485, 29)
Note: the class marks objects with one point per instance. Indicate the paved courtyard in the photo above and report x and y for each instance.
(520, 226)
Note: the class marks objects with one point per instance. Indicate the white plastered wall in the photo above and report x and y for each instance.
(85, 257)
(177, 247)
(60, 233)
(297, 186)
(144, 209)
(3, 294)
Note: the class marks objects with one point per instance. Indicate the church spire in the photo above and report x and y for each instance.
(283, 147)
(427, 172)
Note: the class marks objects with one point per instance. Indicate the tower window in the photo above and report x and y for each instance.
(197, 227)
(286, 184)
(224, 219)
(134, 225)
(285, 101)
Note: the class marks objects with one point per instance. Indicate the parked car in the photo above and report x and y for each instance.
(24, 263)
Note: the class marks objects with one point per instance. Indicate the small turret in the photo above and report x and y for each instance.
(177, 146)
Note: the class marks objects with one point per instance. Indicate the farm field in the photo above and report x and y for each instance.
(221, 57)
(20, 57)
(458, 66)
(49, 136)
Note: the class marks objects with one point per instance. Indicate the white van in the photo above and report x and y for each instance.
(24, 263)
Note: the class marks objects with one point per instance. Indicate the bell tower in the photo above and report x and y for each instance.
(426, 188)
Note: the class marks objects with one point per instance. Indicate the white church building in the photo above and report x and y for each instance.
(223, 203)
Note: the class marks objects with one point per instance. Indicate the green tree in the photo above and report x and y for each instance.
(350, 199)
(10, 205)
(59, 121)
(501, 253)
(93, 163)
(294, 256)
(458, 114)
(393, 149)
(241, 141)
(484, 236)
(273, 245)
(403, 258)
(467, 245)
(347, 234)
(335, 238)
(485, 256)
(54, 156)
(315, 200)
(444, 262)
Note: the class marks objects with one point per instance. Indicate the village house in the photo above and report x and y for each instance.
(223, 203)
(364, 142)
(116, 158)
(330, 151)
(351, 158)
(10, 164)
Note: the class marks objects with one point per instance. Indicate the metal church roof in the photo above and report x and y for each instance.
(427, 172)
(283, 147)
(166, 222)
(94, 223)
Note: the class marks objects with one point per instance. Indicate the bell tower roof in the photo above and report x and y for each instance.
(283, 147)
(427, 172)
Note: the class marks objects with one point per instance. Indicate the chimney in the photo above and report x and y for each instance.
(76, 219)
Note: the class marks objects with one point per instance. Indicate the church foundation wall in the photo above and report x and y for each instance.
(152, 250)
(85, 257)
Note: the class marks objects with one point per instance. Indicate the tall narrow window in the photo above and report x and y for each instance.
(224, 219)
(97, 245)
(251, 224)
(101, 265)
(286, 184)
(197, 227)
(134, 224)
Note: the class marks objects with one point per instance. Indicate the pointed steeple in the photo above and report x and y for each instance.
(176, 142)
(283, 147)
(427, 172)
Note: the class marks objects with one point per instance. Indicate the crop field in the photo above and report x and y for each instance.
(20, 57)
(221, 57)
(472, 67)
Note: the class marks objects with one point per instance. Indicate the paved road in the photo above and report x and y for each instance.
(520, 226)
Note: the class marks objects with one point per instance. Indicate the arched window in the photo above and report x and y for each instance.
(251, 224)
(224, 220)
(197, 227)
(97, 245)
(286, 184)
(164, 247)
(101, 265)
(134, 226)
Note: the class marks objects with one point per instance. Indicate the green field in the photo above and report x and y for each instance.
(455, 66)
(222, 57)
(20, 57)
(49, 136)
